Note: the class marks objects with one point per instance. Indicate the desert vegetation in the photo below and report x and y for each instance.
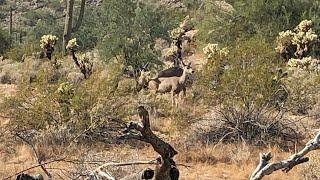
(165, 90)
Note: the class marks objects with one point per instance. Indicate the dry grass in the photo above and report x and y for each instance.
(207, 161)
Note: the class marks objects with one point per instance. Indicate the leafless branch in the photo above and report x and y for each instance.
(35, 166)
(264, 168)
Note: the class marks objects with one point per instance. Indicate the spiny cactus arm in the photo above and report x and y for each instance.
(264, 168)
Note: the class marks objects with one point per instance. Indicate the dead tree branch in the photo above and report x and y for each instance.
(264, 168)
(142, 131)
(35, 166)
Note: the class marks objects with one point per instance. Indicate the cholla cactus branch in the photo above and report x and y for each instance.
(72, 45)
(83, 62)
(264, 168)
(295, 46)
(213, 49)
(177, 36)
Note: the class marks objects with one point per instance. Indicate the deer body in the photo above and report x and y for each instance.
(173, 84)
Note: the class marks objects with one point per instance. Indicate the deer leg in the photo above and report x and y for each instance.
(172, 98)
(182, 95)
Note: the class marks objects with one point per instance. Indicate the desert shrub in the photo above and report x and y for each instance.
(32, 17)
(89, 32)
(247, 18)
(209, 77)
(91, 108)
(10, 73)
(303, 95)
(251, 94)
(4, 39)
(19, 53)
(132, 37)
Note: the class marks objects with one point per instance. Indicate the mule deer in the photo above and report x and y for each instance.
(172, 84)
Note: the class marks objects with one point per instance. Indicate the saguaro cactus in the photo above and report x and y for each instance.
(68, 28)
(10, 26)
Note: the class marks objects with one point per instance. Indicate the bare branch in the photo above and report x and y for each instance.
(264, 168)
(35, 166)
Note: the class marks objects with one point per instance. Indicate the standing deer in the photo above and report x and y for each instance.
(166, 83)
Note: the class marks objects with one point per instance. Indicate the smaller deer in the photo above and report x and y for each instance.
(173, 84)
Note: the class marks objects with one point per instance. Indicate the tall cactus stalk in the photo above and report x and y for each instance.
(10, 27)
(68, 28)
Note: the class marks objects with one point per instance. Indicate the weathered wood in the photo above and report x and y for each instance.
(167, 169)
(264, 168)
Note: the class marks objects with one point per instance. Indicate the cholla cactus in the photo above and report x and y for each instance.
(84, 64)
(307, 63)
(167, 64)
(172, 50)
(295, 46)
(65, 89)
(48, 41)
(302, 37)
(284, 40)
(213, 49)
(84, 58)
(305, 26)
(176, 33)
(72, 45)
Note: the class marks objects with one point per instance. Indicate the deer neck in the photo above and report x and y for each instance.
(183, 78)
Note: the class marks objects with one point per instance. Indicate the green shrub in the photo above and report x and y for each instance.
(250, 90)
(130, 30)
(253, 17)
(5, 41)
(302, 95)
(93, 106)
(19, 53)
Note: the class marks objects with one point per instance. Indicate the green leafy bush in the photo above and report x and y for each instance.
(19, 53)
(130, 30)
(51, 102)
(251, 92)
(247, 18)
